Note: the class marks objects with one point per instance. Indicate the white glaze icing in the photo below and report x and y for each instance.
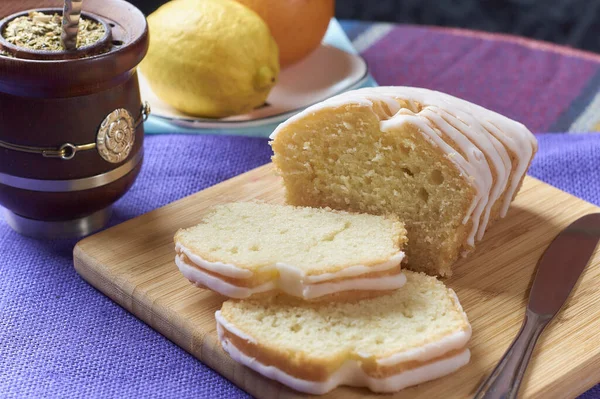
(475, 160)
(222, 322)
(197, 276)
(351, 271)
(231, 270)
(225, 269)
(350, 373)
(291, 282)
(517, 145)
(486, 138)
(435, 349)
(496, 157)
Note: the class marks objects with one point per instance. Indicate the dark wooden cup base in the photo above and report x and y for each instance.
(63, 229)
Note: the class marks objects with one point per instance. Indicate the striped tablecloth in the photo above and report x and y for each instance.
(59, 337)
(547, 87)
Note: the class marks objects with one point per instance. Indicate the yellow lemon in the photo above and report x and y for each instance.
(210, 58)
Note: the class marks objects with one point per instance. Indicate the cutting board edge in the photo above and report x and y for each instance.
(530, 177)
(209, 344)
(550, 390)
(119, 293)
(204, 349)
(83, 242)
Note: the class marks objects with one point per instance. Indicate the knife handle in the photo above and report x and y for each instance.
(505, 380)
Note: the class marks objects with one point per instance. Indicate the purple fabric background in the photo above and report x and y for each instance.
(59, 337)
(528, 85)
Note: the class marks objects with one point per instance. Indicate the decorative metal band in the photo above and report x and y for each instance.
(68, 150)
(62, 186)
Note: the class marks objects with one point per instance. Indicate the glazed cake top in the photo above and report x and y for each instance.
(491, 151)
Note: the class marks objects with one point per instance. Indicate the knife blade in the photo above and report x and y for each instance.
(562, 263)
(557, 273)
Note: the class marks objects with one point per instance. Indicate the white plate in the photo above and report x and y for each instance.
(324, 73)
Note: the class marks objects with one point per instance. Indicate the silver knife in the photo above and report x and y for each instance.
(558, 270)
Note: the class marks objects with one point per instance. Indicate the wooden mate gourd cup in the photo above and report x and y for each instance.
(71, 131)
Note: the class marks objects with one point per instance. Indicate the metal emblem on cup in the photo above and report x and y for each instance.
(114, 141)
(116, 137)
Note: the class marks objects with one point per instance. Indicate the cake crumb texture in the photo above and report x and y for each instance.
(408, 152)
(415, 326)
(254, 236)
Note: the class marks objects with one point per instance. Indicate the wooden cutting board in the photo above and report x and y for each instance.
(133, 264)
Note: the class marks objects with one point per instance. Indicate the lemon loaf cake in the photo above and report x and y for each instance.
(416, 334)
(448, 168)
(247, 248)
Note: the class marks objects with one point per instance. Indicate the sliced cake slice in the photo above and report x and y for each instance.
(416, 334)
(244, 249)
(448, 168)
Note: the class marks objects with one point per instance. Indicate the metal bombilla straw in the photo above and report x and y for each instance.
(70, 24)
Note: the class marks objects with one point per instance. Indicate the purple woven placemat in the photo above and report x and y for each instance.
(547, 87)
(59, 337)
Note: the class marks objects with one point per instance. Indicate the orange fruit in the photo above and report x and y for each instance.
(298, 26)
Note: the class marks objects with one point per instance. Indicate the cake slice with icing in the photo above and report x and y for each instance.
(416, 334)
(448, 168)
(248, 249)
